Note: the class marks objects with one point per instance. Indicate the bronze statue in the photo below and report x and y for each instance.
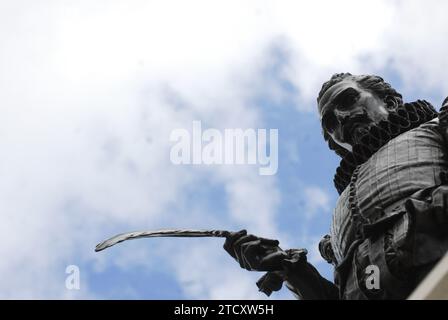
(392, 212)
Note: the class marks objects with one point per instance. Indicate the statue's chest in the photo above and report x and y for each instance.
(406, 164)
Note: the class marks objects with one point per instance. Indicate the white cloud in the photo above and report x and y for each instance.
(89, 92)
(86, 114)
(415, 45)
(316, 201)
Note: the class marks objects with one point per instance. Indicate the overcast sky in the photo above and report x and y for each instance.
(91, 90)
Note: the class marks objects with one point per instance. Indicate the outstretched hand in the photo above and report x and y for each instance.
(255, 253)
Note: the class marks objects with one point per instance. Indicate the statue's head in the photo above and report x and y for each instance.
(350, 105)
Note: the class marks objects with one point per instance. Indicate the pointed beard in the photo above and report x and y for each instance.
(358, 134)
(367, 140)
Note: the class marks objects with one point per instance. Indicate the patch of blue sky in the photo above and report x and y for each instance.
(137, 283)
(304, 159)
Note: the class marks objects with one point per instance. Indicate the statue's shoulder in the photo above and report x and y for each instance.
(433, 124)
(430, 132)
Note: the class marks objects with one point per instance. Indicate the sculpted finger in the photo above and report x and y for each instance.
(239, 250)
(253, 251)
(250, 253)
(254, 241)
(269, 242)
(272, 261)
(244, 239)
(230, 240)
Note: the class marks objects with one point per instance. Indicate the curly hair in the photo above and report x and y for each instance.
(374, 84)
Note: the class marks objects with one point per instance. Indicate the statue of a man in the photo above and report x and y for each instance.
(392, 213)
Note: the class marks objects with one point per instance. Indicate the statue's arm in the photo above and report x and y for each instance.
(303, 279)
(290, 266)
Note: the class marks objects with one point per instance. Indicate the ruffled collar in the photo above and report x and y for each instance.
(405, 117)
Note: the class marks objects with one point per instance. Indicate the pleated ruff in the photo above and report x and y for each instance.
(410, 162)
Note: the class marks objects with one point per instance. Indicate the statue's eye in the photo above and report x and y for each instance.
(347, 98)
(329, 122)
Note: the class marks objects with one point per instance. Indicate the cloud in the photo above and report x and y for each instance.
(415, 46)
(87, 107)
(316, 200)
(89, 92)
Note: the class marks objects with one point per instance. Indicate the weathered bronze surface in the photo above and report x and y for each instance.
(390, 223)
